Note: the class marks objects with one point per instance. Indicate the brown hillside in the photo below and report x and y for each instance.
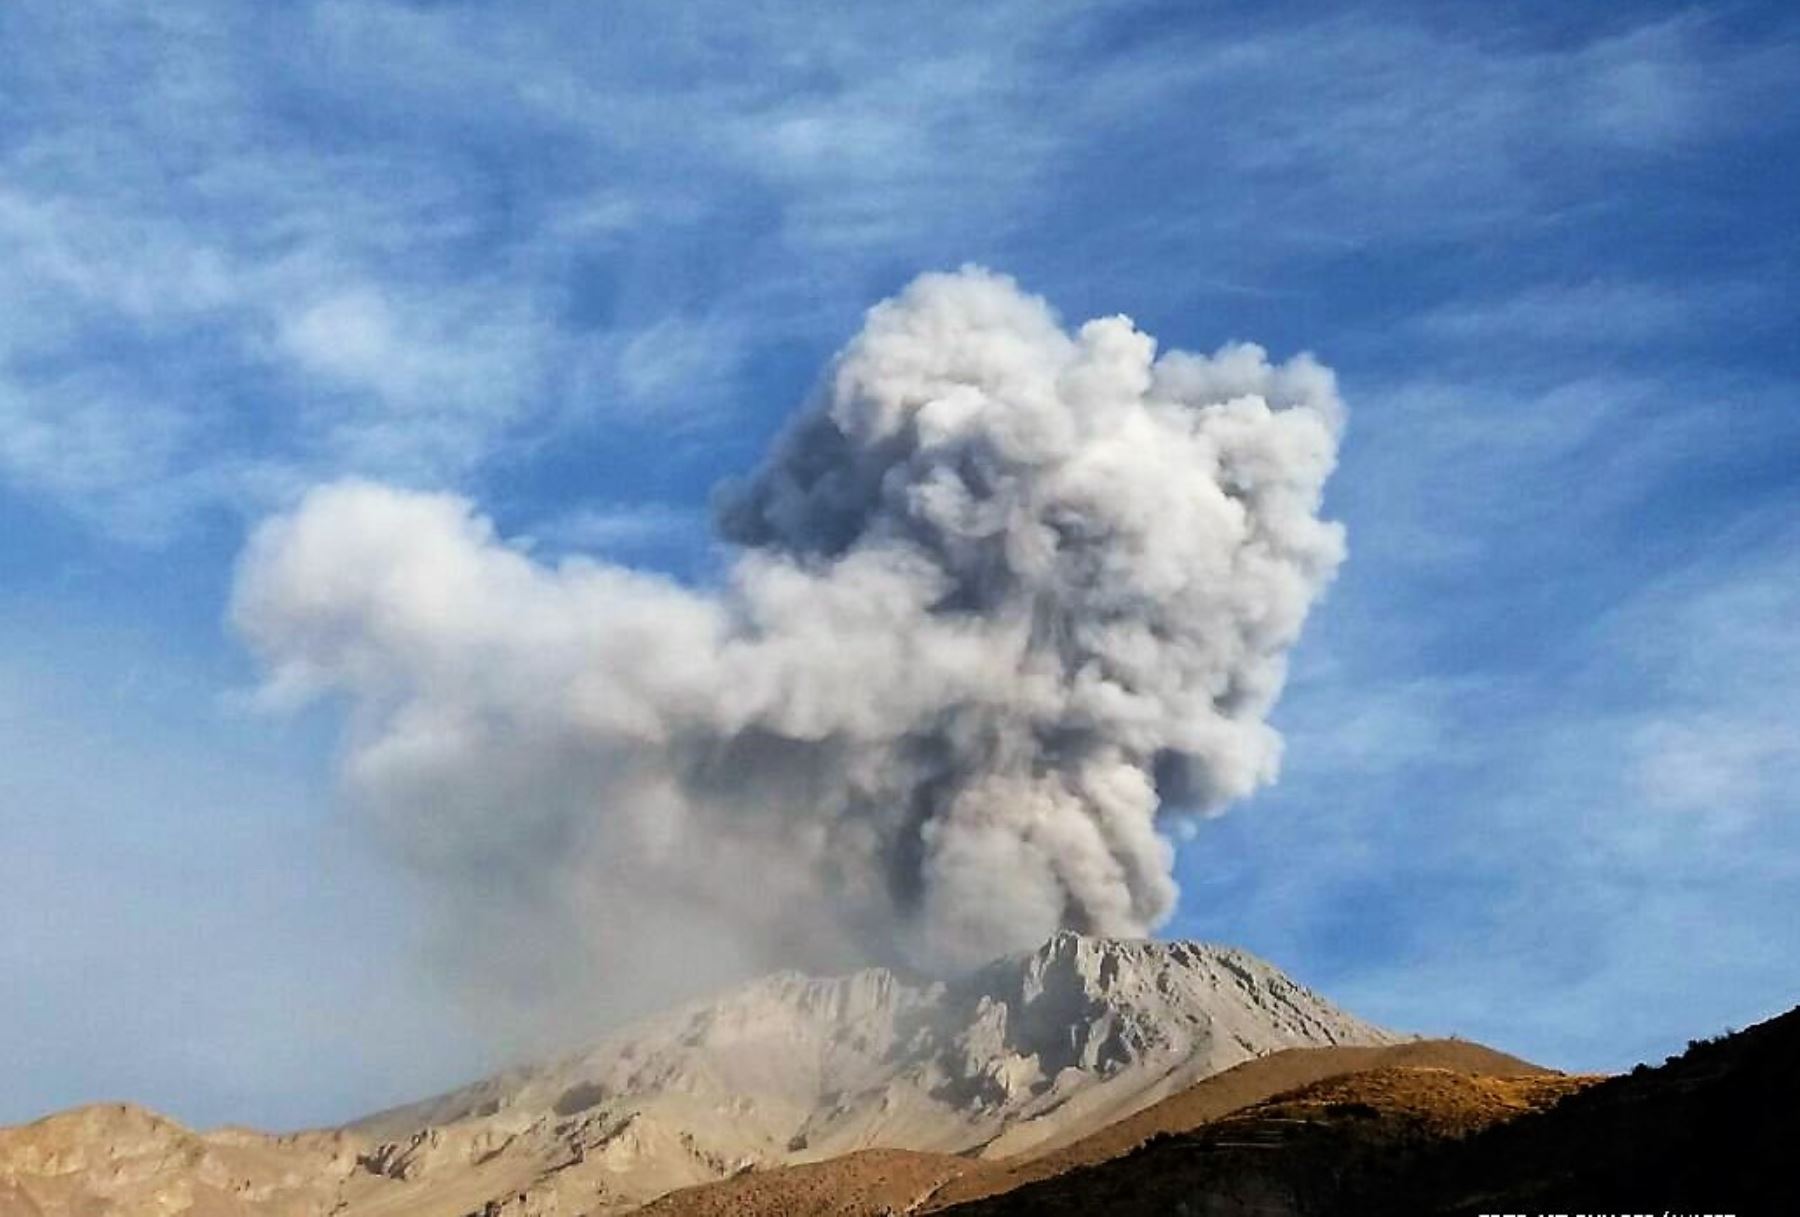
(1223, 1093)
(1294, 1154)
(869, 1181)
(1441, 1102)
(872, 1182)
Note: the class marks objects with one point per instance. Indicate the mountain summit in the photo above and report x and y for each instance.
(1027, 1052)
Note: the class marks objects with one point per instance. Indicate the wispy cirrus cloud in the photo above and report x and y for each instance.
(1601, 312)
(1326, 136)
(382, 282)
(623, 530)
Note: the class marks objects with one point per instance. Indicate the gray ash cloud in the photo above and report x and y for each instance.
(1003, 604)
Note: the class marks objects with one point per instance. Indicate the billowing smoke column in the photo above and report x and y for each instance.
(1002, 601)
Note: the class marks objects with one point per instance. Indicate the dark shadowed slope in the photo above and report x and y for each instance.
(1223, 1093)
(1301, 1153)
(1710, 1131)
(1713, 1130)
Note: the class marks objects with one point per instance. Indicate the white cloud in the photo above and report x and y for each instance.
(621, 528)
(418, 384)
(675, 359)
(1724, 768)
(1599, 311)
(1722, 641)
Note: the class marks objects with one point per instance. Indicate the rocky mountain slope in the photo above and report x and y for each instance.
(1029, 1052)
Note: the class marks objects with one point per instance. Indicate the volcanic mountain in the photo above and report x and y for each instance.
(1030, 1052)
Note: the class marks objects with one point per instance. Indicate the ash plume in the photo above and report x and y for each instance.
(1002, 604)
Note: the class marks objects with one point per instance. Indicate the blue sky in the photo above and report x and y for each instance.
(579, 262)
